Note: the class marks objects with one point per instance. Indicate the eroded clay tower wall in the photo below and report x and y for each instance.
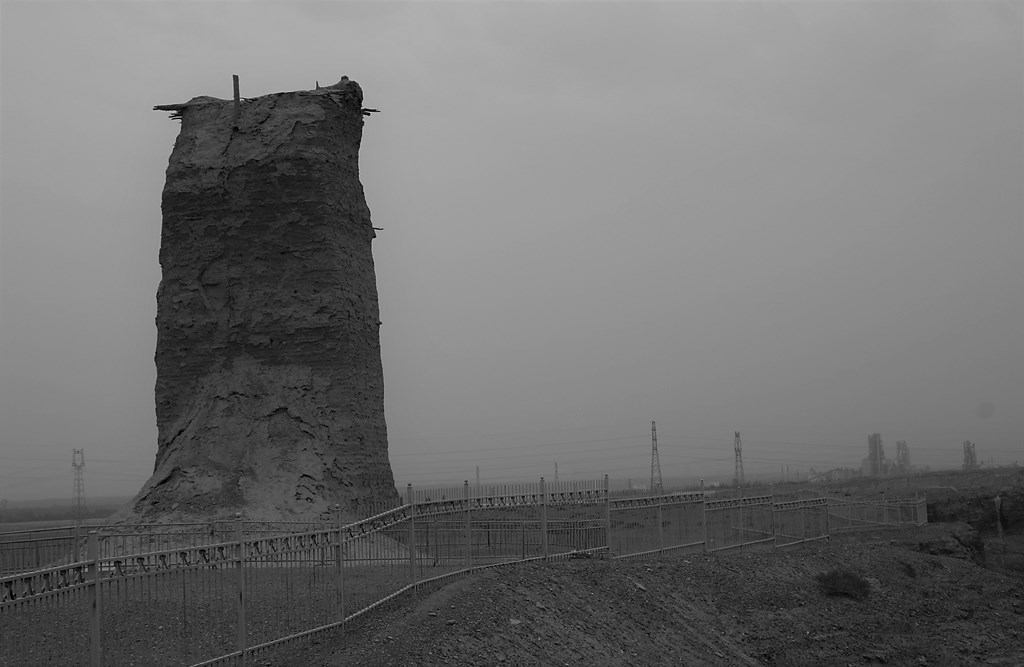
(269, 392)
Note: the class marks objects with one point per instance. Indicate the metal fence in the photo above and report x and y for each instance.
(227, 593)
(25, 550)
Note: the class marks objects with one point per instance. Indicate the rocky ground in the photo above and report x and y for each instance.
(928, 601)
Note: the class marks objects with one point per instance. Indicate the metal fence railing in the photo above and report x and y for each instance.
(22, 551)
(225, 593)
(855, 514)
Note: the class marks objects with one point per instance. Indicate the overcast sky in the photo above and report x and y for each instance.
(801, 221)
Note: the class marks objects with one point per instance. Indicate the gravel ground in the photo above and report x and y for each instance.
(930, 603)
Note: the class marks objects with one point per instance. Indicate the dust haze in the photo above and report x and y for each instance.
(800, 221)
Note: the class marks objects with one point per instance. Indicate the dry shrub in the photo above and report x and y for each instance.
(844, 582)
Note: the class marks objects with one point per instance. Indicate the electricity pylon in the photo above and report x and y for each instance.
(656, 486)
(78, 463)
(738, 446)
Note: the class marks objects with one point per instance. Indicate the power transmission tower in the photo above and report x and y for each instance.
(656, 485)
(78, 463)
(738, 446)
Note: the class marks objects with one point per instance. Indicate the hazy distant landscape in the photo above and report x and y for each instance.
(14, 513)
(796, 220)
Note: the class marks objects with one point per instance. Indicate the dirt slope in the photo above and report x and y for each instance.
(929, 604)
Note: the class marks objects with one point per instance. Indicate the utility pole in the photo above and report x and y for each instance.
(556, 474)
(78, 463)
(738, 446)
(656, 486)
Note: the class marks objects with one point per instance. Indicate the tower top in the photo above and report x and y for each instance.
(346, 91)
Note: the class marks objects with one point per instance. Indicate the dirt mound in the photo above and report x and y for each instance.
(760, 608)
(959, 540)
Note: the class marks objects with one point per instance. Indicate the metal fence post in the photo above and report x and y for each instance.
(704, 515)
(661, 521)
(803, 521)
(523, 538)
(743, 533)
(412, 534)
(607, 517)
(469, 524)
(543, 519)
(240, 569)
(828, 522)
(339, 581)
(95, 611)
(771, 509)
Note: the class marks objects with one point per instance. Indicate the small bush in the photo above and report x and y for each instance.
(844, 582)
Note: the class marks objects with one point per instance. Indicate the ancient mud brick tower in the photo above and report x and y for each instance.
(269, 391)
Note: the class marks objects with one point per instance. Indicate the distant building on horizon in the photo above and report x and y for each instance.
(875, 464)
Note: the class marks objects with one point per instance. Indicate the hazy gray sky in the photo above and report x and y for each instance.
(802, 221)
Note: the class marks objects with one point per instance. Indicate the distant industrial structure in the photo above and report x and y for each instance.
(877, 465)
(902, 456)
(970, 456)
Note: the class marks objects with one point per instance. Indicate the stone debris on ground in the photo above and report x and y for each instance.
(743, 608)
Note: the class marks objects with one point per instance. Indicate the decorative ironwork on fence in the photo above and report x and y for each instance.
(224, 592)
